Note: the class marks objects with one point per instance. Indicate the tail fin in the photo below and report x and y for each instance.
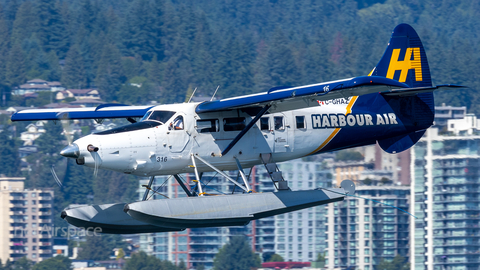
(404, 59)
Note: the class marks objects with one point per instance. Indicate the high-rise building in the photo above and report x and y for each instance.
(300, 235)
(361, 232)
(446, 192)
(25, 221)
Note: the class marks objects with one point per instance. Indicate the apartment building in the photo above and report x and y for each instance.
(26, 224)
(361, 232)
(446, 192)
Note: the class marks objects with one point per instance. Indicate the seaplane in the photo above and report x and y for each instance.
(392, 106)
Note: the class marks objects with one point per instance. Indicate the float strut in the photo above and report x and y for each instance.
(199, 184)
(148, 187)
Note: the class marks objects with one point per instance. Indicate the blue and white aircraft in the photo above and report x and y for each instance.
(392, 106)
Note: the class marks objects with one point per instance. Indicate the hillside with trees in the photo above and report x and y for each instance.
(242, 46)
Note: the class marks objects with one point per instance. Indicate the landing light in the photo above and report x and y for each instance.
(92, 148)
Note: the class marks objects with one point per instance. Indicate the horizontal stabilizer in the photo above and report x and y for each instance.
(418, 90)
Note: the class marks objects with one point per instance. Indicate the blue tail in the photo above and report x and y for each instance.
(405, 60)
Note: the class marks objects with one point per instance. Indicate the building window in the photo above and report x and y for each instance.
(281, 246)
(367, 259)
(367, 235)
(300, 239)
(300, 247)
(367, 243)
(299, 231)
(367, 226)
(310, 223)
(367, 218)
(290, 238)
(367, 251)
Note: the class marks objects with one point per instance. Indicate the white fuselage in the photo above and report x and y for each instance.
(162, 150)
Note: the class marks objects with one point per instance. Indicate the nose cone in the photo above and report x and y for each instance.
(71, 151)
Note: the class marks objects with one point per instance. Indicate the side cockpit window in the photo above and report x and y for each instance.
(160, 116)
(177, 123)
(207, 125)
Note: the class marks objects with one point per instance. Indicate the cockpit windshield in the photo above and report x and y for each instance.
(158, 116)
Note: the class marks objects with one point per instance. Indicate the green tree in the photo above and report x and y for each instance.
(22, 264)
(9, 159)
(276, 258)
(348, 155)
(15, 66)
(25, 22)
(236, 255)
(142, 261)
(99, 247)
(57, 263)
(110, 72)
(73, 75)
(51, 28)
(398, 263)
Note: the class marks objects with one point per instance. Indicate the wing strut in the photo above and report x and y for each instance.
(246, 129)
(189, 194)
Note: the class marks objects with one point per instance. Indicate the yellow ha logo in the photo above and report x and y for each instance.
(404, 66)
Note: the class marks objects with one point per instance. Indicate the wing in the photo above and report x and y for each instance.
(100, 112)
(307, 96)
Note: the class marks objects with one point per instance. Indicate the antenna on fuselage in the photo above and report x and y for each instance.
(192, 95)
(218, 86)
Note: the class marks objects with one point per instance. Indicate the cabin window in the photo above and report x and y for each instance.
(278, 120)
(207, 125)
(300, 121)
(233, 124)
(264, 123)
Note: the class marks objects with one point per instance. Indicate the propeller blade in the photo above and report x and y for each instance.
(52, 169)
